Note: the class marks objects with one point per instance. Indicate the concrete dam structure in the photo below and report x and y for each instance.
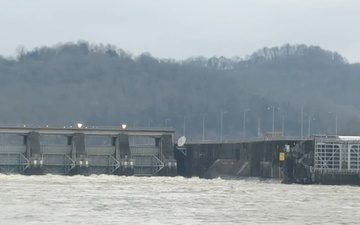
(33, 155)
(319, 159)
(251, 158)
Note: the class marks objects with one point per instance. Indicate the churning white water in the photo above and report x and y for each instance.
(104, 199)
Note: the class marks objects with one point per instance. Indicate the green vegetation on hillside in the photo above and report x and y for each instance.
(102, 85)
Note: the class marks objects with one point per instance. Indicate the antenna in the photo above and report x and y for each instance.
(181, 141)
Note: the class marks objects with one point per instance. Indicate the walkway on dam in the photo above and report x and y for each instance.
(248, 140)
(97, 131)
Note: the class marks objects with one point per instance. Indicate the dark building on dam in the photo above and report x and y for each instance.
(318, 159)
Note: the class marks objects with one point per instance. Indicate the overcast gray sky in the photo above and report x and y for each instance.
(183, 28)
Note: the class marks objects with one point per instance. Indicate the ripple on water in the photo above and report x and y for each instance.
(104, 199)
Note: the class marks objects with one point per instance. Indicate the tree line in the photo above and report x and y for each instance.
(103, 85)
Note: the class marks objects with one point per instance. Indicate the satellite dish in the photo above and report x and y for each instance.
(181, 141)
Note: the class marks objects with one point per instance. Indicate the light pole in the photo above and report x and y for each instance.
(336, 122)
(309, 125)
(259, 127)
(166, 120)
(184, 125)
(221, 124)
(203, 126)
(134, 125)
(149, 127)
(302, 121)
(244, 126)
(273, 118)
(283, 125)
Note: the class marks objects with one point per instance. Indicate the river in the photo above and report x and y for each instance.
(104, 199)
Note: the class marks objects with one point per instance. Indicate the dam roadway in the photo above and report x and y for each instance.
(248, 140)
(96, 131)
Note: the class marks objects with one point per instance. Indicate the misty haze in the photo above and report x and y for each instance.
(179, 112)
(166, 63)
(103, 85)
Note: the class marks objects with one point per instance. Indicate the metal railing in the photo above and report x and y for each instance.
(74, 127)
(96, 131)
(254, 139)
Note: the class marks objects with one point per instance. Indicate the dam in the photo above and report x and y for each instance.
(321, 159)
(35, 155)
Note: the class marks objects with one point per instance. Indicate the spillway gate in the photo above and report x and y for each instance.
(32, 156)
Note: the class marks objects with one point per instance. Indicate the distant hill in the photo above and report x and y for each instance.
(105, 85)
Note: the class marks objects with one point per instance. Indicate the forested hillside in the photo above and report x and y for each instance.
(102, 85)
